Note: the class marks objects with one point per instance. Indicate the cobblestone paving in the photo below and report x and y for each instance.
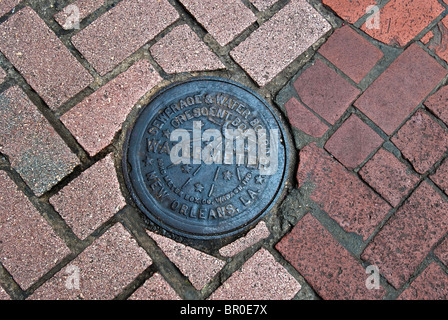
(361, 85)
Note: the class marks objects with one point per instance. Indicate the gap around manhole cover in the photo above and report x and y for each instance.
(206, 159)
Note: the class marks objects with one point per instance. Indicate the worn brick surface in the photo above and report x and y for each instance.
(183, 51)
(439, 44)
(441, 251)
(409, 235)
(104, 269)
(262, 5)
(329, 268)
(95, 121)
(7, 5)
(91, 199)
(340, 193)
(264, 279)
(422, 141)
(123, 30)
(257, 234)
(34, 148)
(438, 102)
(198, 267)
(80, 8)
(303, 119)
(4, 295)
(3, 75)
(403, 20)
(29, 247)
(441, 176)
(351, 53)
(279, 41)
(399, 90)
(41, 58)
(389, 176)
(325, 91)
(155, 288)
(223, 19)
(350, 10)
(353, 142)
(431, 284)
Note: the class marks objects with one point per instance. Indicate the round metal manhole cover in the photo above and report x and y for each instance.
(206, 158)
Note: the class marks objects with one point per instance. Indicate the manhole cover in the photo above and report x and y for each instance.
(206, 158)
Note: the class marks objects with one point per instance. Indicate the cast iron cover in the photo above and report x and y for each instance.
(188, 170)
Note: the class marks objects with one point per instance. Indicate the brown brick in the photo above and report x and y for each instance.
(42, 58)
(123, 30)
(34, 148)
(95, 121)
(437, 104)
(304, 120)
(29, 247)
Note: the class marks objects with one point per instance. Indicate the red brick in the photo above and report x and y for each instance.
(353, 142)
(279, 41)
(155, 288)
(389, 176)
(29, 247)
(91, 199)
(95, 121)
(42, 58)
(403, 20)
(260, 278)
(431, 284)
(439, 45)
(123, 30)
(7, 5)
(349, 10)
(105, 269)
(34, 148)
(200, 268)
(183, 51)
(441, 251)
(325, 91)
(351, 53)
(304, 120)
(422, 141)
(84, 7)
(441, 176)
(262, 5)
(223, 19)
(340, 193)
(409, 235)
(438, 103)
(329, 268)
(400, 89)
(255, 235)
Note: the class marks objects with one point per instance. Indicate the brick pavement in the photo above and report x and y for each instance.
(362, 89)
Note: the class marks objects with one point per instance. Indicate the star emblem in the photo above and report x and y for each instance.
(167, 134)
(198, 187)
(148, 161)
(227, 175)
(186, 168)
(259, 179)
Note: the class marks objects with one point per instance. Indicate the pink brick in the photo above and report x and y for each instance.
(409, 235)
(260, 278)
(29, 247)
(401, 88)
(350, 10)
(353, 142)
(3, 295)
(340, 193)
(389, 176)
(403, 20)
(351, 53)
(279, 41)
(34, 148)
(3, 75)
(91, 199)
(422, 141)
(183, 51)
(223, 19)
(105, 268)
(7, 5)
(329, 268)
(155, 288)
(198, 267)
(438, 103)
(42, 58)
(304, 120)
(441, 176)
(431, 284)
(325, 91)
(257, 234)
(123, 30)
(262, 5)
(441, 251)
(95, 121)
(83, 7)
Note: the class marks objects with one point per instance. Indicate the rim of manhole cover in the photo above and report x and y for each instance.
(206, 158)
